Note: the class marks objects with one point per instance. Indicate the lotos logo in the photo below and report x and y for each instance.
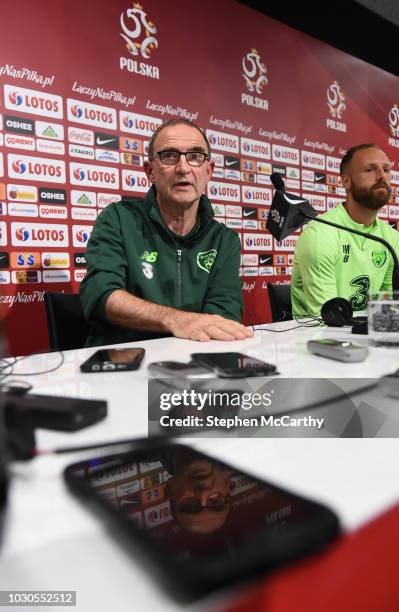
(255, 148)
(15, 98)
(82, 236)
(335, 100)
(138, 31)
(79, 174)
(223, 141)
(258, 195)
(35, 234)
(128, 122)
(91, 114)
(32, 101)
(135, 181)
(22, 234)
(36, 168)
(130, 180)
(18, 166)
(76, 111)
(258, 242)
(97, 176)
(224, 191)
(254, 72)
(138, 124)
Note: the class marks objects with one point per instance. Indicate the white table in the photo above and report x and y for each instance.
(52, 542)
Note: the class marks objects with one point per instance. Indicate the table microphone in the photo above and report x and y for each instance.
(289, 212)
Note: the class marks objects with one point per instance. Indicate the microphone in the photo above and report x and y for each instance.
(277, 181)
(289, 212)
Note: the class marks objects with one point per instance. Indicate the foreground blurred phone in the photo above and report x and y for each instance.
(111, 360)
(176, 369)
(200, 523)
(234, 365)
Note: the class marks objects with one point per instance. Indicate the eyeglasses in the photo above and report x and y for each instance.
(171, 157)
(216, 502)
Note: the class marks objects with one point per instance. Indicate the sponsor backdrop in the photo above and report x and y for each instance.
(79, 105)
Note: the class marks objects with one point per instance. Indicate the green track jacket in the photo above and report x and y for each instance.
(131, 248)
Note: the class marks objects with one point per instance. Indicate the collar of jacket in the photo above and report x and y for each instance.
(205, 216)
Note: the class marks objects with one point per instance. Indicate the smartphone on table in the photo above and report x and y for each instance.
(112, 360)
(234, 365)
(176, 369)
(200, 523)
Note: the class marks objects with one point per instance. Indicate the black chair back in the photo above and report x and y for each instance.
(67, 326)
(280, 302)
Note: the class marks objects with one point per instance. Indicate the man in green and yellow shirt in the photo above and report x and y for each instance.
(330, 262)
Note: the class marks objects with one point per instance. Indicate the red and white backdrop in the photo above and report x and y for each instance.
(83, 86)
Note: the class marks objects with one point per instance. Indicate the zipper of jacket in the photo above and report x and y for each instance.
(178, 287)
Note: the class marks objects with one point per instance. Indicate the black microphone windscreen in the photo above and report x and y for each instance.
(277, 181)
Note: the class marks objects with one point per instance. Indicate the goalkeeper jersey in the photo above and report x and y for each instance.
(330, 262)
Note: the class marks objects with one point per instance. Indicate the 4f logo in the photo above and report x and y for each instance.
(335, 100)
(138, 31)
(345, 249)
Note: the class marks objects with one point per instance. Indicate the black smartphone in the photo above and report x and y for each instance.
(112, 360)
(177, 369)
(234, 365)
(200, 524)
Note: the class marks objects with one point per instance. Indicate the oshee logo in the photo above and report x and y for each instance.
(32, 102)
(81, 235)
(37, 168)
(96, 176)
(138, 32)
(135, 181)
(224, 191)
(91, 114)
(257, 242)
(35, 234)
(138, 124)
